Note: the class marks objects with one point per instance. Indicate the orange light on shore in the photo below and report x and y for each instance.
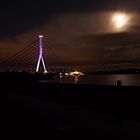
(76, 73)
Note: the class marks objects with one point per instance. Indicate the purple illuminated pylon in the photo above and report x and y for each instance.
(40, 57)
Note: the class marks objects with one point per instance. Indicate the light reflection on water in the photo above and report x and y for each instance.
(126, 79)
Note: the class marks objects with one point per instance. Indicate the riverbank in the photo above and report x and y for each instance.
(70, 111)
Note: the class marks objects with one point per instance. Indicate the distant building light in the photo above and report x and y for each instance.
(66, 74)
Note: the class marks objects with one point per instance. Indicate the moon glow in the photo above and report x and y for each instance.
(120, 21)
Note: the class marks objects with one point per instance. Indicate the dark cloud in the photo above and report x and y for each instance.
(114, 50)
(113, 41)
(21, 16)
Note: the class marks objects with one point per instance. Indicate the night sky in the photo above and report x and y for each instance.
(81, 32)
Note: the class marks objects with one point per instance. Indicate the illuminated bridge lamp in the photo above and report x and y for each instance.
(40, 57)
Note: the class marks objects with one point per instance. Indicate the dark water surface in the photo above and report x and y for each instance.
(126, 79)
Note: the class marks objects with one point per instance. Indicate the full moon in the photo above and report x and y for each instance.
(120, 21)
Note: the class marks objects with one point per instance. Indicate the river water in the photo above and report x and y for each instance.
(126, 79)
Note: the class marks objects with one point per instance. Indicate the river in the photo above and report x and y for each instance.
(126, 79)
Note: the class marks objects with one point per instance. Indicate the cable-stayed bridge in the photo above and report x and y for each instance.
(36, 56)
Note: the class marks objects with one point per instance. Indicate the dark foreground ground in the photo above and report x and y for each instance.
(29, 109)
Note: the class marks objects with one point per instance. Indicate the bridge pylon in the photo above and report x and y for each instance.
(40, 56)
